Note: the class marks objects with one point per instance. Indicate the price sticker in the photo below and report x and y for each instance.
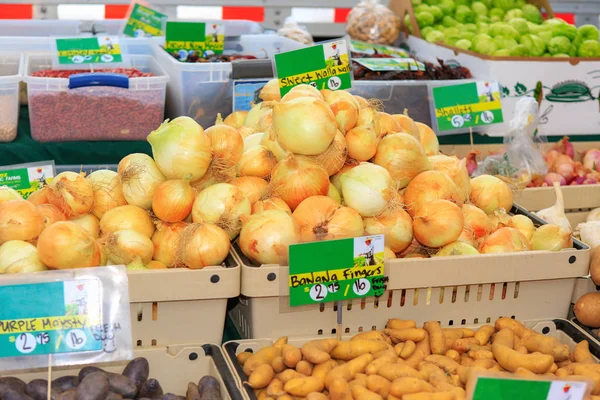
(324, 66)
(144, 22)
(467, 105)
(496, 388)
(27, 178)
(188, 39)
(336, 270)
(85, 51)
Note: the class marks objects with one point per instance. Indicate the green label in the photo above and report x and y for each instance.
(370, 48)
(189, 38)
(487, 388)
(96, 50)
(144, 22)
(27, 180)
(324, 66)
(50, 317)
(467, 105)
(336, 270)
(391, 64)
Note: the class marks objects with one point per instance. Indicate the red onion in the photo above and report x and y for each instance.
(554, 177)
(551, 157)
(591, 159)
(565, 147)
(472, 162)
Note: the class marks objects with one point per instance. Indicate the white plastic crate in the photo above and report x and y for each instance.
(11, 71)
(202, 90)
(455, 290)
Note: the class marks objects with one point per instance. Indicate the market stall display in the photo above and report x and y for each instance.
(10, 75)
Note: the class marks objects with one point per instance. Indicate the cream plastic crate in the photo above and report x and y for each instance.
(579, 200)
(173, 366)
(178, 306)
(455, 290)
(565, 331)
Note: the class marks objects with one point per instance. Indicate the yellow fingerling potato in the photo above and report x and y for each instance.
(408, 349)
(400, 324)
(339, 390)
(372, 335)
(484, 333)
(349, 370)
(512, 324)
(445, 363)
(289, 374)
(362, 393)
(266, 355)
(437, 341)
(394, 371)
(590, 374)
(402, 335)
(465, 360)
(375, 365)
(279, 343)
(243, 357)
(360, 379)
(275, 388)
(453, 354)
(318, 351)
(278, 365)
(379, 385)
(419, 354)
(510, 360)
(261, 376)
(505, 337)
(481, 354)
(301, 387)
(291, 355)
(437, 377)
(317, 396)
(403, 386)
(462, 332)
(398, 348)
(430, 396)
(355, 348)
(547, 345)
(581, 353)
(304, 367)
(465, 344)
(486, 363)
(321, 370)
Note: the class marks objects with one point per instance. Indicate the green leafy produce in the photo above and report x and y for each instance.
(467, 35)
(559, 44)
(566, 30)
(470, 27)
(481, 37)
(453, 31)
(504, 29)
(436, 12)
(559, 55)
(546, 36)
(425, 31)
(532, 14)
(502, 53)
(435, 36)
(504, 42)
(479, 8)
(464, 14)
(515, 13)
(589, 48)
(485, 46)
(463, 2)
(425, 18)
(497, 12)
(482, 18)
(519, 50)
(421, 8)
(587, 32)
(451, 40)
(536, 46)
(449, 21)
(463, 44)
(483, 27)
(520, 24)
(504, 4)
(447, 6)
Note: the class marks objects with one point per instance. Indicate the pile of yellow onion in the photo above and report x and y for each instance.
(313, 165)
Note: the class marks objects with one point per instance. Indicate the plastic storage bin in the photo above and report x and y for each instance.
(58, 113)
(202, 90)
(11, 65)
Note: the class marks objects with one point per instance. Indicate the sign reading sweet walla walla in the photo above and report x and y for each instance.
(324, 66)
(335, 270)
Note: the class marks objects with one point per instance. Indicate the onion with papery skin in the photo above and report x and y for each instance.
(270, 91)
(368, 188)
(236, 119)
(265, 122)
(591, 159)
(438, 223)
(522, 224)
(408, 125)
(362, 142)
(388, 124)
(370, 116)
(477, 223)
(428, 139)
(428, 186)
(490, 193)
(108, 191)
(321, 218)
(226, 143)
(504, 240)
(295, 179)
(140, 177)
(19, 257)
(154, 264)
(456, 249)
(245, 131)
(72, 194)
(268, 140)
(551, 237)
(253, 140)
(362, 102)
(265, 237)
(254, 115)
(90, 222)
(253, 187)
(66, 245)
(166, 242)
(20, 220)
(403, 156)
(455, 169)
(303, 88)
(345, 108)
(127, 217)
(467, 237)
(181, 149)
(499, 218)
(222, 205)
(396, 225)
(333, 194)
(271, 203)
(258, 161)
(293, 95)
(304, 126)
(414, 247)
(336, 179)
(173, 200)
(334, 158)
(416, 255)
(40, 196)
(215, 174)
(8, 194)
(202, 245)
(124, 247)
(51, 214)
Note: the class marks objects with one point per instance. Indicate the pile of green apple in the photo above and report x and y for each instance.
(503, 28)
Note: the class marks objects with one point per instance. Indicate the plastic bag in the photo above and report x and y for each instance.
(292, 30)
(521, 160)
(372, 22)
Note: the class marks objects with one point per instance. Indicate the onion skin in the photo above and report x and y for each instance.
(127, 217)
(66, 245)
(428, 186)
(295, 179)
(362, 143)
(551, 237)
(334, 158)
(321, 218)
(203, 245)
(345, 108)
(362, 102)
(397, 227)
(8, 194)
(265, 237)
(403, 156)
(477, 223)
(236, 119)
(490, 193)
(72, 194)
(457, 249)
(40, 196)
(127, 246)
(270, 91)
(504, 240)
(272, 203)
(257, 161)
(108, 191)
(334, 194)
(428, 139)
(388, 124)
(336, 179)
(90, 222)
(369, 116)
(51, 214)
(454, 169)
(522, 224)
(253, 187)
(221, 204)
(438, 223)
(226, 143)
(140, 177)
(166, 242)
(173, 200)
(20, 220)
(408, 125)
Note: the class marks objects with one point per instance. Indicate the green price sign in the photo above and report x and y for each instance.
(324, 66)
(371, 48)
(194, 38)
(336, 270)
(467, 105)
(50, 318)
(26, 179)
(96, 50)
(391, 64)
(488, 388)
(145, 22)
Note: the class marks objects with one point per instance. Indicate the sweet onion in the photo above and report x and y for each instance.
(66, 245)
(490, 193)
(253, 187)
(438, 223)
(17, 256)
(90, 222)
(140, 177)
(202, 245)
(236, 119)
(334, 157)
(51, 214)
(362, 142)
(20, 220)
(388, 124)
(127, 217)
(428, 139)
(477, 223)
(226, 143)
(8, 194)
(504, 240)
(321, 218)
(368, 188)
(271, 203)
(173, 200)
(523, 225)
(345, 108)
(454, 169)
(257, 161)
(166, 242)
(72, 194)
(457, 249)
(108, 191)
(396, 225)
(551, 237)
(403, 156)
(222, 205)
(126, 246)
(428, 186)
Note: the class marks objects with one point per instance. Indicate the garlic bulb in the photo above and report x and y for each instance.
(556, 214)
(589, 233)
